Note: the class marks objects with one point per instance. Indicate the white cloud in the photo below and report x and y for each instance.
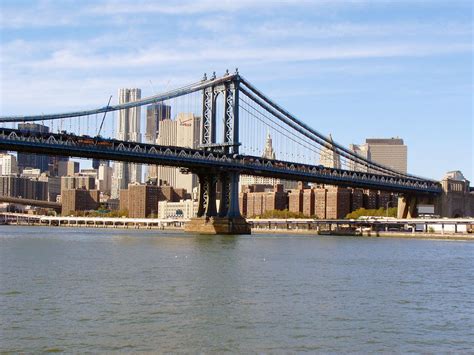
(187, 7)
(303, 30)
(74, 58)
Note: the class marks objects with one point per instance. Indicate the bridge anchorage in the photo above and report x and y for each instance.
(234, 119)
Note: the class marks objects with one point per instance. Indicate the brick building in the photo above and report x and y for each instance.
(14, 186)
(295, 201)
(323, 201)
(257, 199)
(370, 199)
(320, 196)
(338, 202)
(79, 200)
(141, 201)
(357, 199)
(308, 202)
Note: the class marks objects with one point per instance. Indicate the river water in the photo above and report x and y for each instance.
(79, 290)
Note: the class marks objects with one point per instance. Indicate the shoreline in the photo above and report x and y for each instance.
(257, 231)
(382, 234)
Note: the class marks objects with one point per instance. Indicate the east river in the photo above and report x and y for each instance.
(92, 290)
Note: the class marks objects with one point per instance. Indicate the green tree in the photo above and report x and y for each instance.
(282, 214)
(381, 212)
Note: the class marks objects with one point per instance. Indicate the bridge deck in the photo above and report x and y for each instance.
(197, 160)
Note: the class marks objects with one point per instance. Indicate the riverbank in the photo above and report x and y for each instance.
(257, 231)
(441, 229)
(381, 234)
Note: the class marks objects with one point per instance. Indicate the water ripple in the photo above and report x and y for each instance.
(133, 291)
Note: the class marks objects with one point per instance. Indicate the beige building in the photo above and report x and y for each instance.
(390, 152)
(181, 132)
(8, 164)
(104, 179)
(329, 157)
(183, 209)
(77, 182)
(128, 130)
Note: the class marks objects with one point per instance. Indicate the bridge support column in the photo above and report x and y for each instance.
(407, 206)
(207, 195)
(228, 219)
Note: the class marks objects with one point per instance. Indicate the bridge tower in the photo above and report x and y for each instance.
(227, 219)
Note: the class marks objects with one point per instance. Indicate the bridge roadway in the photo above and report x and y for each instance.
(31, 202)
(197, 160)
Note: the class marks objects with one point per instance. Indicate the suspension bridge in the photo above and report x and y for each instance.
(234, 118)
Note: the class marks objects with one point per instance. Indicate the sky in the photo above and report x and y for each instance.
(354, 68)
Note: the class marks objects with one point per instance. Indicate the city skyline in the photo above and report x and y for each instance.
(401, 69)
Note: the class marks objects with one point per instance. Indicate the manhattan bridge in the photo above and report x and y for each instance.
(235, 118)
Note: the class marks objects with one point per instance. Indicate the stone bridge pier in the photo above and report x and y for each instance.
(225, 220)
(407, 205)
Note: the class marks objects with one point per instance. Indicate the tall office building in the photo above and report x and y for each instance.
(128, 129)
(58, 166)
(390, 152)
(329, 157)
(154, 115)
(29, 160)
(182, 132)
(8, 164)
(104, 177)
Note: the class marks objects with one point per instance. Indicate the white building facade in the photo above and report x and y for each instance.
(128, 129)
(181, 132)
(8, 164)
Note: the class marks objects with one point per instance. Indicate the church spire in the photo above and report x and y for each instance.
(268, 152)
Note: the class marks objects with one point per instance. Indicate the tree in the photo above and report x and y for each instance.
(381, 212)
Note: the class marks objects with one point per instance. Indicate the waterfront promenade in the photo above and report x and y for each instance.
(441, 228)
(91, 222)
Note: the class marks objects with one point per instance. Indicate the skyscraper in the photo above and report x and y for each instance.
(8, 164)
(28, 160)
(128, 130)
(390, 152)
(182, 132)
(329, 156)
(154, 115)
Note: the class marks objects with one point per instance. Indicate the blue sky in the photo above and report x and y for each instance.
(353, 68)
